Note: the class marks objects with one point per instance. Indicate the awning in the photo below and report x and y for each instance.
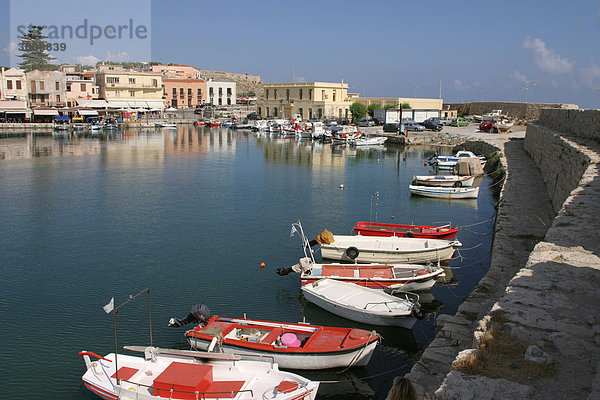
(14, 107)
(116, 104)
(88, 113)
(45, 112)
(92, 103)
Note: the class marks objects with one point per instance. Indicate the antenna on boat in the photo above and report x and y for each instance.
(114, 313)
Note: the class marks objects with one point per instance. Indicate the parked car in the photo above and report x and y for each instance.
(432, 124)
(413, 126)
(366, 122)
(391, 127)
(445, 121)
(459, 122)
(488, 126)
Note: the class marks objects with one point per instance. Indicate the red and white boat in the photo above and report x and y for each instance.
(184, 374)
(404, 277)
(417, 231)
(444, 180)
(294, 346)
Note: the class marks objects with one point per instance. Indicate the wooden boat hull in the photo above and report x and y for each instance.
(406, 277)
(445, 180)
(444, 193)
(360, 304)
(419, 231)
(392, 250)
(155, 378)
(321, 347)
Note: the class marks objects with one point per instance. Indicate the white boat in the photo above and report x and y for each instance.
(504, 124)
(393, 249)
(444, 180)
(184, 374)
(165, 125)
(449, 162)
(368, 141)
(445, 192)
(361, 304)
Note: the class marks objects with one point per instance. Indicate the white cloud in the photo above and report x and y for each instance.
(122, 56)
(86, 60)
(516, 75)
(546, 58)
(460, 86)
(11, 49)
(590, 75)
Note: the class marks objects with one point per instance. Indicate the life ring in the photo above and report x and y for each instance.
(418, 313)
(457, 184)
(352, 252)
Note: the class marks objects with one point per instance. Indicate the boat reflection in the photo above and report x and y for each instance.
(350, 384)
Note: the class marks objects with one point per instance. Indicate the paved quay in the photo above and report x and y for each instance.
(531, 327)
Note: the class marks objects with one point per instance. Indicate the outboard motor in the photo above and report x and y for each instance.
(199, 313)
(304, 265)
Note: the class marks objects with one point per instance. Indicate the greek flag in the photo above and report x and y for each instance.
(110, 306)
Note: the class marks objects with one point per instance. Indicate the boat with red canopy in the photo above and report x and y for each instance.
(290, 345)
(418, 231)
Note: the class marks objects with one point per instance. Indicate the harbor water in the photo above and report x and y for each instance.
(191, 214)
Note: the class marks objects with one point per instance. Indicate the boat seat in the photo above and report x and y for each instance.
(272, 336)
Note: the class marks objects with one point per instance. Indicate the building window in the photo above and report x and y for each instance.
(275, 96)
(41, 85)
(57, 99)
(259, 111)
(322, 95)
(112, 79)
(211, 93)
(287, 94)
(132, 81)
(83, 87)
(9, 85)
(229, 92)
(32, 86)
(189, 92)
(174, 103)
(300, 94)
(155, 82)
(275, 112)
(18, 85)
(181, 92)
(220, 101)
(174, 92)
(334, 94)
(220, 92)
(57, 85)
(68, 87)
(229, 101)
(189, 102)
(132, 93)
(301, 112)
(310, 94)
(199, 95)
(267, 94)
(310, 114)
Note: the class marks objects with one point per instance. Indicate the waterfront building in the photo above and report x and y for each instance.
(177, 71)
(81, 85)
(46, 88)
(184, 93)
(12, 84)
(307, 99)
(416, 109)
(221, 93)
(123, 88)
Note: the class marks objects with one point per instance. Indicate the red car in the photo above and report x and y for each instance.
(488, 126)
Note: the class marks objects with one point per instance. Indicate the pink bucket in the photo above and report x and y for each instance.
(290, 340)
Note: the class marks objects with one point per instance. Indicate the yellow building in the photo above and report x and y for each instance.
(307, 99)
(125, 88)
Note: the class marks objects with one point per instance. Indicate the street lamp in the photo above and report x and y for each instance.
(526, 86)
(415, 87)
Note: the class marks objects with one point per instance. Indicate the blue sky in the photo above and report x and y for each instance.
(480, 50)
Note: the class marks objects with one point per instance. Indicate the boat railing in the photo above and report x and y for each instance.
(376, 303)
(127, 393)
(308, 252)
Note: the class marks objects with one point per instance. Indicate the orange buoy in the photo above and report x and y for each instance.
(262, 264)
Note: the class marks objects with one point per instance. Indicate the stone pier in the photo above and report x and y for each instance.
(542, 291)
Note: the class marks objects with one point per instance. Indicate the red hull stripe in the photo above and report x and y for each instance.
(99, 391)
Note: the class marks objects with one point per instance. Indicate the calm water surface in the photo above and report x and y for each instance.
(191, 214)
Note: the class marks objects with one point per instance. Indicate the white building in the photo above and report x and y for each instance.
(12, 84)
(221, 93)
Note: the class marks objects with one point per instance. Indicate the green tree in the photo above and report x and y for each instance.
(372, 107)
(34, 51)
(406, 106)
(358, 111)
(389, 106)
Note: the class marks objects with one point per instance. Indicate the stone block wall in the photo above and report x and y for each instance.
(517, 110)
(552, 143)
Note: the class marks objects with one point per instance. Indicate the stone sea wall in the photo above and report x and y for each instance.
(516, 110)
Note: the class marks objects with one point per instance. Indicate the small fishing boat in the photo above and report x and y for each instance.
(366, 249)
(418, 231)
(448, 162)
(109, 124)
(368, 141)
(290, 345)
(445, 192)
(185, 374)
(405, 277)
(165, 125)
(361, 304)
(61, 123)
(444, 180)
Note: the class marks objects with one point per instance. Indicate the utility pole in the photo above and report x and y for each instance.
(415, 95)
(526, 86)
(440, 89)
